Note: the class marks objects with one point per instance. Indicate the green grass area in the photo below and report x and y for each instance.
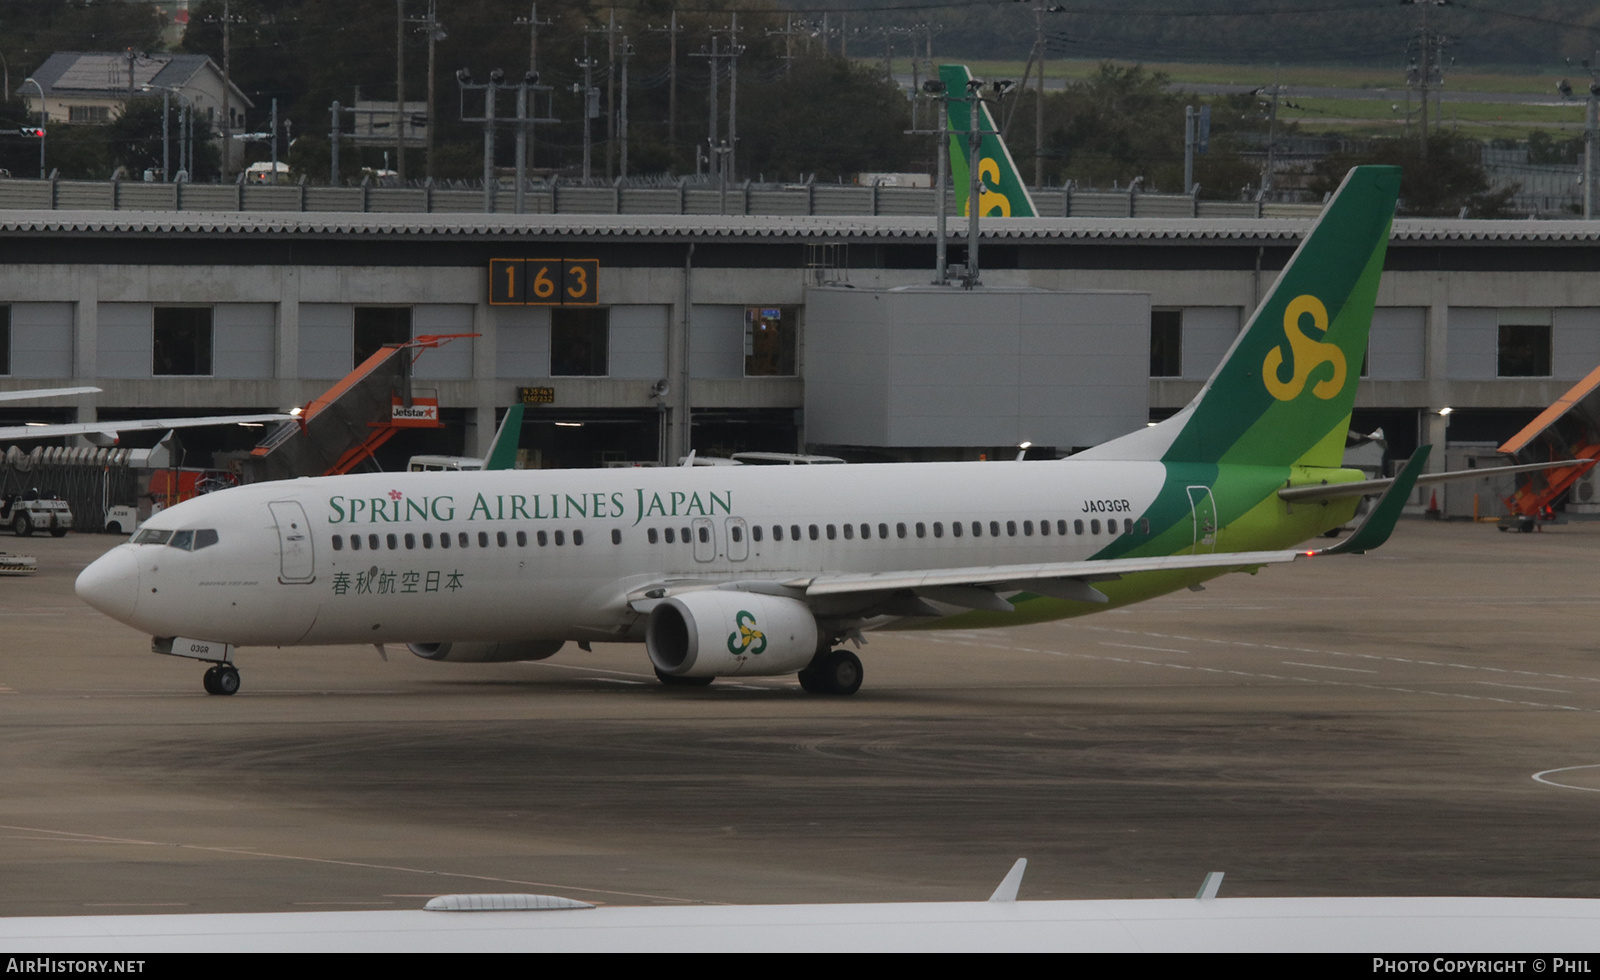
(1363, 117)
(1534, 83)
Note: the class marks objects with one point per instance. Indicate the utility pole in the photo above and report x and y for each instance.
(622, 128)
(934, 89)
(671, 30)
(227, 86)
(532, 23)
(1591, 122)
(435, 33)
(399, 93)
(1428, 69)
(589, 108)
(714, 57)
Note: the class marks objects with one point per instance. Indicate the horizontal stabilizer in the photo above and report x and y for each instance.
(1368, 488)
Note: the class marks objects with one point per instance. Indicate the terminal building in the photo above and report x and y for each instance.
(635, 338)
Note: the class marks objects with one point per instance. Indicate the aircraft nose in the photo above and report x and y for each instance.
(111, 583)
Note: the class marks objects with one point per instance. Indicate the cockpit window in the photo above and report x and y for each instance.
(192, 540)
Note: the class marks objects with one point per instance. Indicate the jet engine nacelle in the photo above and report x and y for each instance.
(486, 653)
(716, 632)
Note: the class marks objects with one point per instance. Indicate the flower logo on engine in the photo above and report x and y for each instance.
(746, 638)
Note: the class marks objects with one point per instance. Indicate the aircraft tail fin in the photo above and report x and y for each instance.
(502, 454)
(1001, 190)
(1283, 393)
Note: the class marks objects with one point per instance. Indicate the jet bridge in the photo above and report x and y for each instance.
(349, 422)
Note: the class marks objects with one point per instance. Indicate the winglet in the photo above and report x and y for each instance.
(503, 451)
(1007, 892)
(1380, 522)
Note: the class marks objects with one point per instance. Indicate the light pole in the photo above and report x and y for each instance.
(184, 140)
(43, 119)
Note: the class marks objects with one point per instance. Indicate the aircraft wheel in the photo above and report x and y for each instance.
(841, 672)
(672, 680)
(23, 525)
(810, 682)
(227, 681)
(209, 681)
(58, 532)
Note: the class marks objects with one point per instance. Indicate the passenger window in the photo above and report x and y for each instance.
(355, 542)
(544, 539)
(735, 532)
(849, 531)
(1077, 526)
(444, 539)
(483, 539)
(977, 529)
(994, 529)
(393, 541)
(522, 539)
(427, 540)
(755, 531)
(883, 531)
(955, 529)
(1027, 529)
(501, 539)
(182, 539)
(900, 530)
(616, 536)
(1044, 529)
(372, 542)
(777, 532)
(463, 540)
(577, 538)
(1094, 525)
(684, 533)
(833, 532)
(1144, 525)
(338, 542)
(651, 536)
(922, 530)
(672, 536)
(1127, 525)
(561, 539)
(814, 534)
(1061, 528)
(794, 532)
(938, 529)
(866, 531)
(705, 535)
(411, 542)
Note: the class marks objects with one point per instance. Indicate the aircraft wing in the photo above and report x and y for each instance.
(131, 425)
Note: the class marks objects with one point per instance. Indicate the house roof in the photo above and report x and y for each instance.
(106, 73)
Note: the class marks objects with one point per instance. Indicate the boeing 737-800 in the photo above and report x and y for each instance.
(766, 570)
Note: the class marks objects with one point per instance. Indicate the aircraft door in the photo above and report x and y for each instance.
(1204, 508)
(705, 539)
(297, 562)
(738, 539)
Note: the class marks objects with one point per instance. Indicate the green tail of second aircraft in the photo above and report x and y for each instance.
(1001, 192)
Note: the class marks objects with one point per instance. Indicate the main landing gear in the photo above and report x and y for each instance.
(832, 672)
(221, 679)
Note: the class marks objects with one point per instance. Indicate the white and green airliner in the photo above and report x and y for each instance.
(768, 570)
